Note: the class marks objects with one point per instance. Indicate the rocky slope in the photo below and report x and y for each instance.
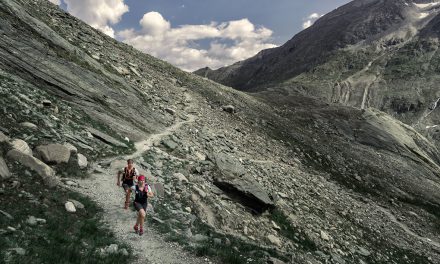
(380, 54)
(295, 180)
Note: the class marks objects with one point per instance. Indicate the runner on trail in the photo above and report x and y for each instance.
(142, 192)
(129, 175)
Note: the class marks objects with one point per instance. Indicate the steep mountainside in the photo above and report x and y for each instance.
(373, 53)
(269, 178)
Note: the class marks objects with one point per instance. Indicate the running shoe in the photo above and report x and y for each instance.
(141, 231)
(136, 229)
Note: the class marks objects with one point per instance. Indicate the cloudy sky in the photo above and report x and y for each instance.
(192, 34)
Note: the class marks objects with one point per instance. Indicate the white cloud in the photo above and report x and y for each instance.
(310, 20)
(98, 13)
(228, 42)
(56, 2)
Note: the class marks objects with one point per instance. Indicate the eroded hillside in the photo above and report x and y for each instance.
(295, 180)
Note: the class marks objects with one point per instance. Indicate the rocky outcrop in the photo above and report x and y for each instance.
(233, 180)
(53, 153)
(46, 173)
(106, 138)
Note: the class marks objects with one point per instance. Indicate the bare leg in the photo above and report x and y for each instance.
(141, 217)
(127, 198)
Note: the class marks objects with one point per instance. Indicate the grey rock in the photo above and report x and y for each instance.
(53, 153)
(157, 220)
(106, 138)
(21, 146)
(180, 177)
(199, 192)
(217, 241)
(199, 238)
(274, 240)
(4, 138)
(229, 109)
(170, 144)
(82, 161)
(72, 148)
(4, 170)
(32, 221)
(170, 111)
(325, 236)
(123, 251)
(29, 125)
(77, 204)
(18, 251)
(5, 214)
(46, 103)
(273, 260)
(112, 249)
(46, 173)
(232, 179)
(363, 251)
(70, 207)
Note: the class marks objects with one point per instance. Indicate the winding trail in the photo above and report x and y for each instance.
(101, 188)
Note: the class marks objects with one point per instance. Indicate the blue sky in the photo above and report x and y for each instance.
(196, 33)
(283, 17)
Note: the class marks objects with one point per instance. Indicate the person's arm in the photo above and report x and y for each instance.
(149, 192)
(118, 178)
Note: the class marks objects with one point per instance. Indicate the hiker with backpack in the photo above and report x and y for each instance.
(129, 175)
(142, 193)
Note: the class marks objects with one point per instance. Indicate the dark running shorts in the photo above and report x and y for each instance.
(139, 206)
(127, 184)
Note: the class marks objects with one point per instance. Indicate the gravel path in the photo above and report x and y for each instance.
(101, 188)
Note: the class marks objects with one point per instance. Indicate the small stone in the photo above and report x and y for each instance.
(229, 109)
(112, 249)
(32, 221)
(70, 207)
(180, 177)
(188, 209)
(46, 103)
(157, 220)
(275, 226)
(283, 195)
(19, 251)
(6, 215)
(200, 192)
(217, 241)
(82, 161)
(3, 137)
(325, 236)
(28, 125)
(4, 170)
(71, 183)
(199, 238)
(71, 147)
(273, 260)
(41, 221)
(274, 240)
(124, 252)
(170, 111)
(363, 251)
(11, 229)
(77, 204)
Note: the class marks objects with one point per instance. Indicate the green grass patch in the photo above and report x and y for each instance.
(64, 238)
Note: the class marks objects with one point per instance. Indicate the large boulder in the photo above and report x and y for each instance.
(4, 171)
(46, 172)
(233, 180)
(21, 146)
(3, 138)
(53, 153)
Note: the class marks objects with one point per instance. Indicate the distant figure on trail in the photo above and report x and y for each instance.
(129, 175)
(142, 192)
